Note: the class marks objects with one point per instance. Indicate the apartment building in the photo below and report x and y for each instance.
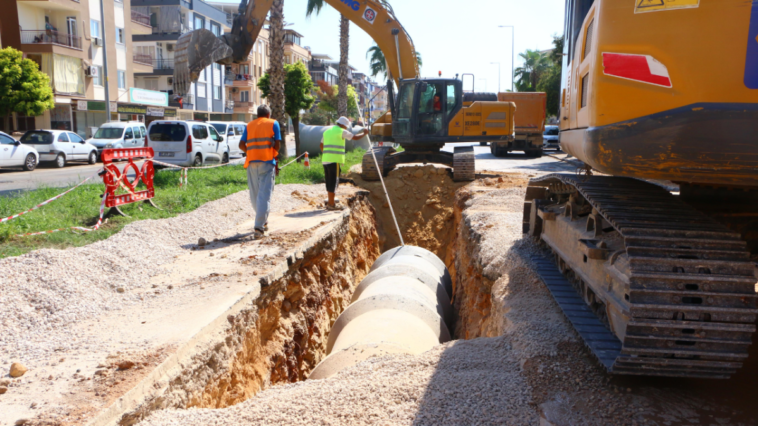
(66, 39)
(321, 69)
(167, 21)
(377, 104)
(293, 49)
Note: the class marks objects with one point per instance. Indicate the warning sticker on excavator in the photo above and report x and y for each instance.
(369, 15)
(661, 5)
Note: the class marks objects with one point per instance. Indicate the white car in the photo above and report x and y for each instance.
(14, 154)
(232, 130)
(116, 134)
(186, 143)
(60, 146)
(550, 138)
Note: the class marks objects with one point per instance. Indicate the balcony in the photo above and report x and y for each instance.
(163, 64)
(51, 37)
(229, 79)
(187, 102)
(141, 18)
(144, 59)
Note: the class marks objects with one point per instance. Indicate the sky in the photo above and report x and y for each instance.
(453, 36)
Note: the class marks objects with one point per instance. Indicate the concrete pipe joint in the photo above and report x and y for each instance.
(401, 307)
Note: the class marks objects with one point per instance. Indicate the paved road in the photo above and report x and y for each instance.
(14, 180)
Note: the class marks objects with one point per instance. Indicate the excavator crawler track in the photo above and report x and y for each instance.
(653, 286)
(370, 172)
(464, 164)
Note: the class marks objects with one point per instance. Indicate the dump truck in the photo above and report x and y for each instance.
(530, 124)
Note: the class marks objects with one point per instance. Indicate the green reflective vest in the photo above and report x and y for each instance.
(334, 146)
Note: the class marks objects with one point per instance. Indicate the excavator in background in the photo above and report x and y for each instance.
(424, 116)
(655, 246)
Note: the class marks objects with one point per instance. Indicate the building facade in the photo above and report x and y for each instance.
(67, 39)
(321, 69)
(293, 49)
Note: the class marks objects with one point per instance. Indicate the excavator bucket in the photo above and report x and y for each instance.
(195, 51)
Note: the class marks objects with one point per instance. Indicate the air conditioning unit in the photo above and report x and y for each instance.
(171, 81)
(91, 71)
(170, 47)
(97, 41)
(235, 90)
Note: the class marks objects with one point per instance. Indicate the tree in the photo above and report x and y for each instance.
(378, 63)
(315, 6)
(550, 80)
(297, 94)
(535, 64)
(24, 89)
(329, 102)
(276, 70)
(317, 117)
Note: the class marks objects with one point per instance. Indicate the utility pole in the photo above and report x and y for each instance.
(498, 74)
(105, 64)
(513, 54)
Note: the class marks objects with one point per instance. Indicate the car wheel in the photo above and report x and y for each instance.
(226, 158)
(198, 161)
(60, 161)
(92, 157)
(30, 163)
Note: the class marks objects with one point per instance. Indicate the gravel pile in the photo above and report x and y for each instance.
(44, 293)
(472, 382)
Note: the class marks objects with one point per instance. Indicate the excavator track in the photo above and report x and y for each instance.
(370, 172)
(661, 289)
(464, 164)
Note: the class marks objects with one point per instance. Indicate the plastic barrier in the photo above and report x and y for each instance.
(115, 178)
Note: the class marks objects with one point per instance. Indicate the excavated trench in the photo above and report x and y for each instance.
(283, 336)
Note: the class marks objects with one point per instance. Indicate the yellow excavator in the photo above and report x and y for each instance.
(655, 250)
(425, 114)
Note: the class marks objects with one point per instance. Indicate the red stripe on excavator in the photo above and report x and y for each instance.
(642, 68)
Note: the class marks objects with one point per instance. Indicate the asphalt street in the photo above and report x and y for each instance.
(13, 180)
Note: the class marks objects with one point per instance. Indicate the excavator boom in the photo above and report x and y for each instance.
(200, 48)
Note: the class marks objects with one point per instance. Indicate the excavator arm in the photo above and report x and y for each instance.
(200, 48)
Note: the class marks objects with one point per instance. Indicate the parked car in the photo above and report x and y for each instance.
(14, 154)
(131, 134)
(60, 146)
(186, 143)
(233, 133)
(550, 138)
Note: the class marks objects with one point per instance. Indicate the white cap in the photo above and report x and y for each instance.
(344, 121)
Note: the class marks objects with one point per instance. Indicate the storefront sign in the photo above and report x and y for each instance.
(131, 109)
(154, 112)
(169, 113)
(148, 97)
(89, 106)
(203, 116)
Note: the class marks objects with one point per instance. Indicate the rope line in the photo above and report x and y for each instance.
(386, 194)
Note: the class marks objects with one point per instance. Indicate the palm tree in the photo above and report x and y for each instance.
(276, 69)
(535, 64)
(315, 6)
(378, 62)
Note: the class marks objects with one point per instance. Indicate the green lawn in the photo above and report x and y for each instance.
(81, 207)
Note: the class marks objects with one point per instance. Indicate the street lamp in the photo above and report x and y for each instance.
(513, 53)
(498, 74)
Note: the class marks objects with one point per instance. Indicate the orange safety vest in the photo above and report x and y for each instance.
(260, 141)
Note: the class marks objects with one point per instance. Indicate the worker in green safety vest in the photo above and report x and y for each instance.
(333, 155)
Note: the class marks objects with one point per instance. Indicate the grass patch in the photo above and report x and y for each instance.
(81, 207)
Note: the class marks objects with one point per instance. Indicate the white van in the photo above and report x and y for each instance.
(232, 130)
(186, 143)
(116, 134)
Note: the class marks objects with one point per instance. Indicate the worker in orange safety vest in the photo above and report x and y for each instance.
(260, 142)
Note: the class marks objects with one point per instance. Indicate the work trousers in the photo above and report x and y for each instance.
(260, 182)
(332, 177)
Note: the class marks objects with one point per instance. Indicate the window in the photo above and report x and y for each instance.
(7, 140)
(201, 90)
(245, 96)
(588, 39)
(39, 137)
(199, 22)
(451, 98)
(128, 134)
(121, 79)
(585, 88)
(75, 138)
(199, 132)
(214, 134)
(94, 28)
(167, 132)
(245, 69)
(119, 35)
(239, 129)
(151, 84)
(406, 101)
(216, 92)
(98, 80)
(216, 29)
(62, 138)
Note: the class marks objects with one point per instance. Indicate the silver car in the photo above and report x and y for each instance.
(60, 146)
(550, 139)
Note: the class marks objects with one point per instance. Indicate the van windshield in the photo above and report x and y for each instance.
(37, 138)
(221, 128)
(109, 133)
(552, 131)
(167, 132)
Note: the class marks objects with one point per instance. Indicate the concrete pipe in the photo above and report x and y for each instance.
(310, 139)
(397, 309)
(410, 255)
